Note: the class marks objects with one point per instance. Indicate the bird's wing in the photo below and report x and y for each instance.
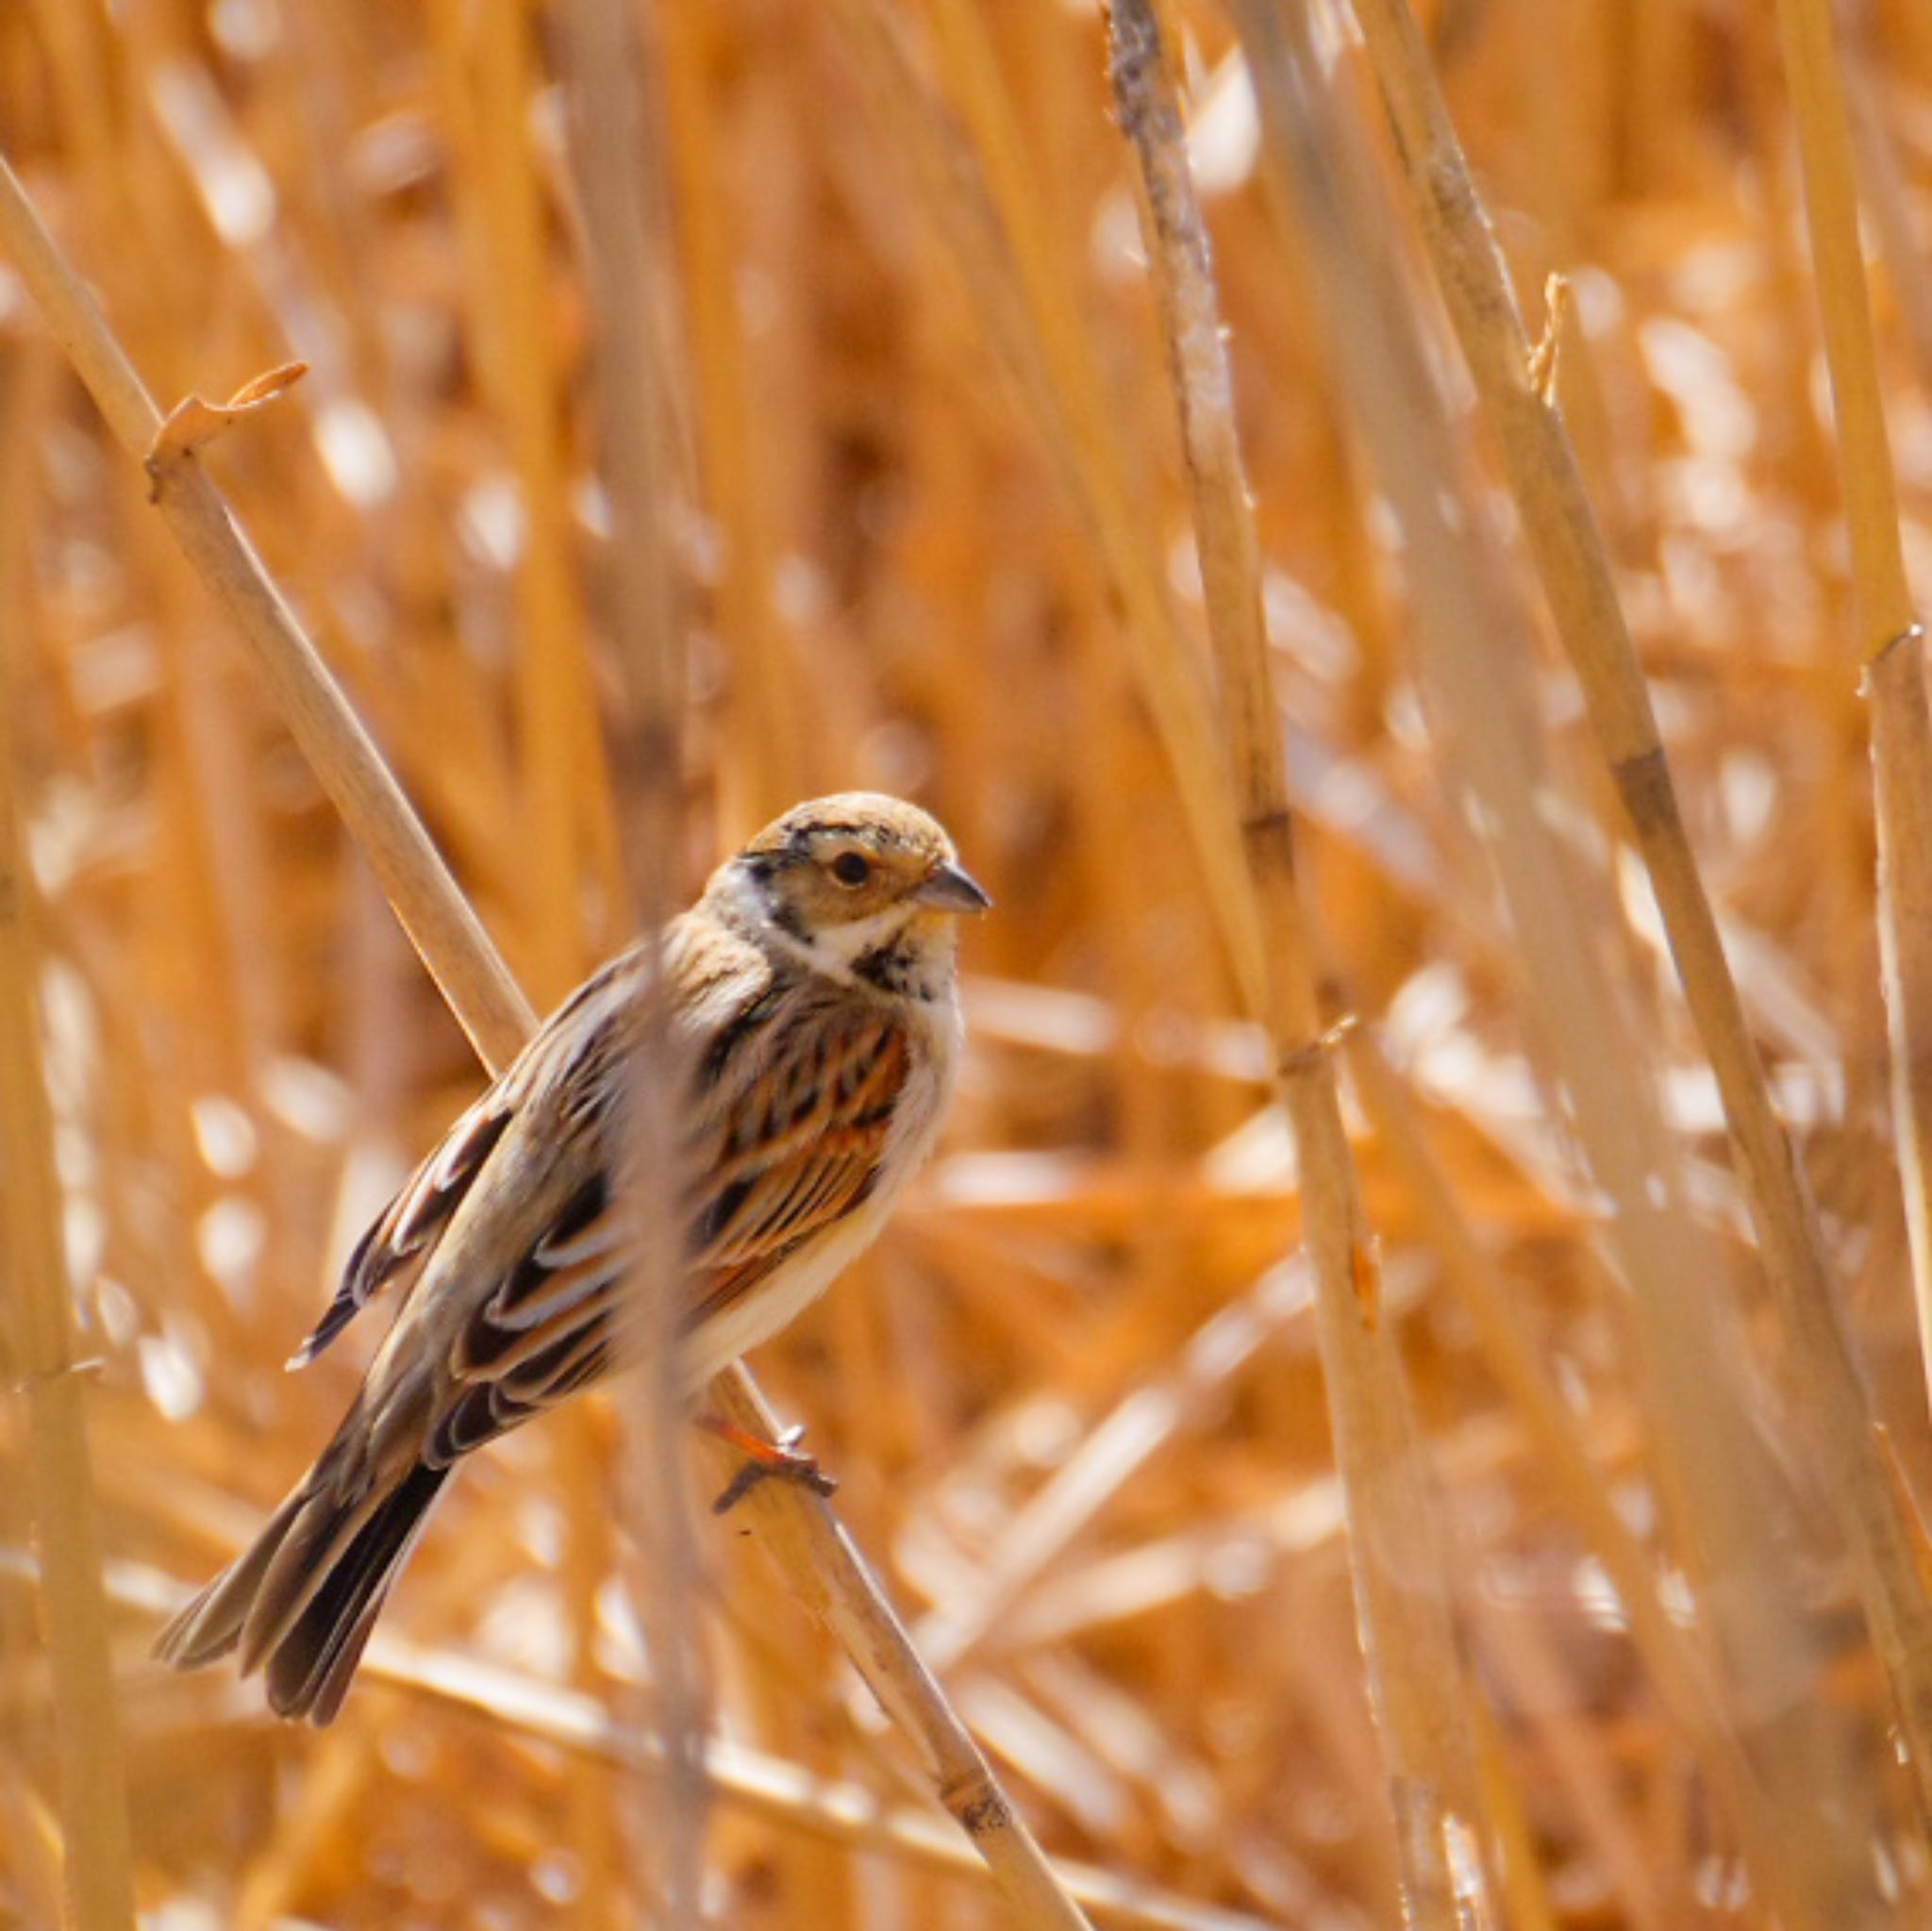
(399, 1240)
(514, 1280)
(785, 1147)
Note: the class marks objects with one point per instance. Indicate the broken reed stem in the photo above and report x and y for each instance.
(1541, 466)
(1402, 1590)
(439, 919)
(612, 162)
(804, 1538)
(96, 1852)
(1894, 680)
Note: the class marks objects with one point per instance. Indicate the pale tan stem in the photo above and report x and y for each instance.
(1403, 1601)
(38, 1318)
(1896, 679)
(1564, 540)
(1902, 771)
(1816, 79)
(806, 1541)
(439, 919)
(613, 164)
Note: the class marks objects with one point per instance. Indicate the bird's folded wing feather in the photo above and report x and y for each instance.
(793, 1106)
(795, 1152)
(396, 1245)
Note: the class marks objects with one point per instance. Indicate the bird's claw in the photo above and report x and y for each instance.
(780, 1461)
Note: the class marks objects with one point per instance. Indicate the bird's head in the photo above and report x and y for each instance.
(861, 886)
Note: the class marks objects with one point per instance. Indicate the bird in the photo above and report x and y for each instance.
(813, 1002)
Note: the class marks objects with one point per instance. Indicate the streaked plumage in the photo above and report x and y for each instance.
(813, 993)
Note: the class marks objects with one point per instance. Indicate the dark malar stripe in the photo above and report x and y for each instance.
(890, 967)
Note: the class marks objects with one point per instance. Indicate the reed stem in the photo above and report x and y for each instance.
(1403, 1601)
(1566, 545)
(38, 1310)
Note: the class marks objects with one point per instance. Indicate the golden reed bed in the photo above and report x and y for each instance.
(1388, 693)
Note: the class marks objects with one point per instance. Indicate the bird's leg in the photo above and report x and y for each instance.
(764, 1462)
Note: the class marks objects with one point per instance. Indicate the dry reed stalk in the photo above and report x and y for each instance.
(1893, 648)
(765, 692)
(521, 376)
(1678, 1670)
(439, 919)
(1473, 658)
(1883, 184)
(97, 1852)
(1403, 1594)
(613, 161)
(1895, 682)
(978, 188)
(806, 1541)
(1525, 1898)
(1563, 539)
(825, 1571)
(489, 50)
(1816, 81)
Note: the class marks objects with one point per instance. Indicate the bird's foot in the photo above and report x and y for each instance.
(764, 1462)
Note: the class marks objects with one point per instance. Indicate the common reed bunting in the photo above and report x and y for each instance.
(812, 991)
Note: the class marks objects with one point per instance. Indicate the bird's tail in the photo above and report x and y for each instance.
(300, 1603)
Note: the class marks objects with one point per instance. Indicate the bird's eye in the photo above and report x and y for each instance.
(852, 867)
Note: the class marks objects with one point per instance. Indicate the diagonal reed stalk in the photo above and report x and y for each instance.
(445, 930)
(1473, 655)
(803, 1535)
(1403, 1601)
(1566, 545)
(37, 1313)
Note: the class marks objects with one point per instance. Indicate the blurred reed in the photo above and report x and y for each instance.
(1608, 1287)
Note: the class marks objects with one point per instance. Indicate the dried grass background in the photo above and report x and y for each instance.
(931, 524)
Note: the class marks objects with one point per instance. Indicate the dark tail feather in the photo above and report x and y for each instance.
(210, 1626)
(310, 1663)
(302, 1600)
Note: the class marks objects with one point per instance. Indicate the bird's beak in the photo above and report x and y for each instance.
(953, 889)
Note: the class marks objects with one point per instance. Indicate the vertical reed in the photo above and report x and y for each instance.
(1892, 648)
(97, 1855)
(617, 162)
(1397, 1552)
